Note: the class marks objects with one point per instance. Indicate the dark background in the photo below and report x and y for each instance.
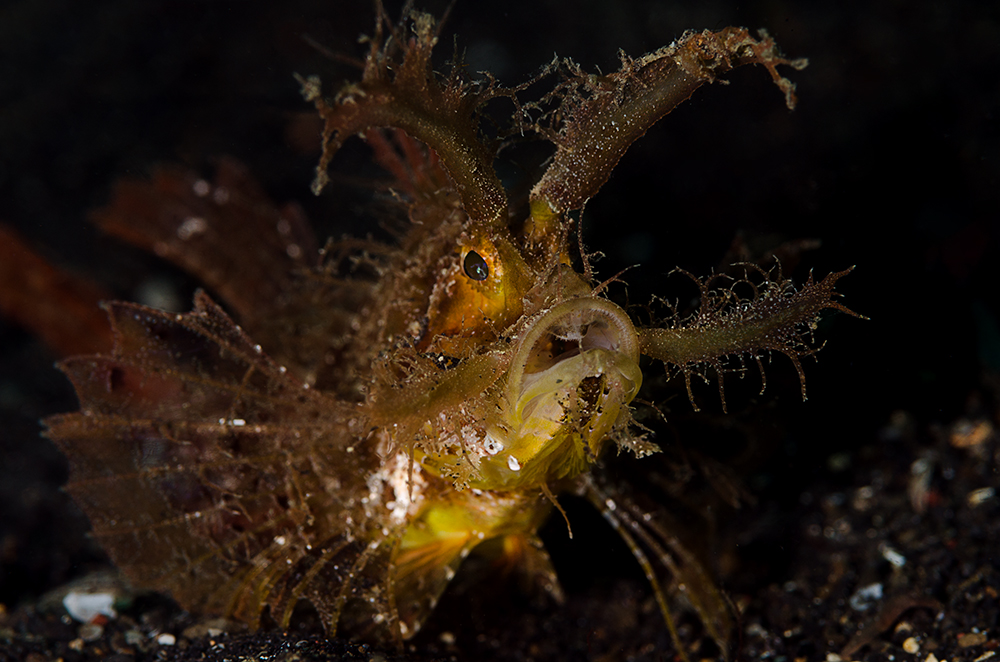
(891, 161)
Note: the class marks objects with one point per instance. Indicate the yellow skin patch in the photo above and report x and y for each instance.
(461, 306)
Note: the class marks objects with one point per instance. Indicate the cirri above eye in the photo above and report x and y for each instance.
(475, 266)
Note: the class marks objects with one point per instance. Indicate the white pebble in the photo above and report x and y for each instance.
(85, 606)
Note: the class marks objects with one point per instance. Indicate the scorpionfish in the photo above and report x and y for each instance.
(354, 420)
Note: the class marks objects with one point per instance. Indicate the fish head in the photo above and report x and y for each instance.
(544, 404)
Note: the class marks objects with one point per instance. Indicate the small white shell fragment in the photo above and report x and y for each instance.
(977, 497)
(892, 556)
(166, 639)
(864, 597)
(920, 483)
(513, 463)
(84, 607)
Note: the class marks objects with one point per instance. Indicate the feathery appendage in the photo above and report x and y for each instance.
(776, 318)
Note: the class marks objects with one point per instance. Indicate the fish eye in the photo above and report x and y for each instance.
(475, 266)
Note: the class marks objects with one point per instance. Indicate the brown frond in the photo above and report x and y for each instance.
(227, 233)
(654, 547)
(776, 318)
(399, 89)
(197, 458)
(600, 116)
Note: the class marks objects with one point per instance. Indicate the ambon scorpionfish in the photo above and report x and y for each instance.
(358, 419)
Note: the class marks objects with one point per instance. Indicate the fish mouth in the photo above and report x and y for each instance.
(573, 346)
(572, 377)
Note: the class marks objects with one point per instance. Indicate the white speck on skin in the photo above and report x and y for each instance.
(493, 445)
(191, 227)
(405, 484)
